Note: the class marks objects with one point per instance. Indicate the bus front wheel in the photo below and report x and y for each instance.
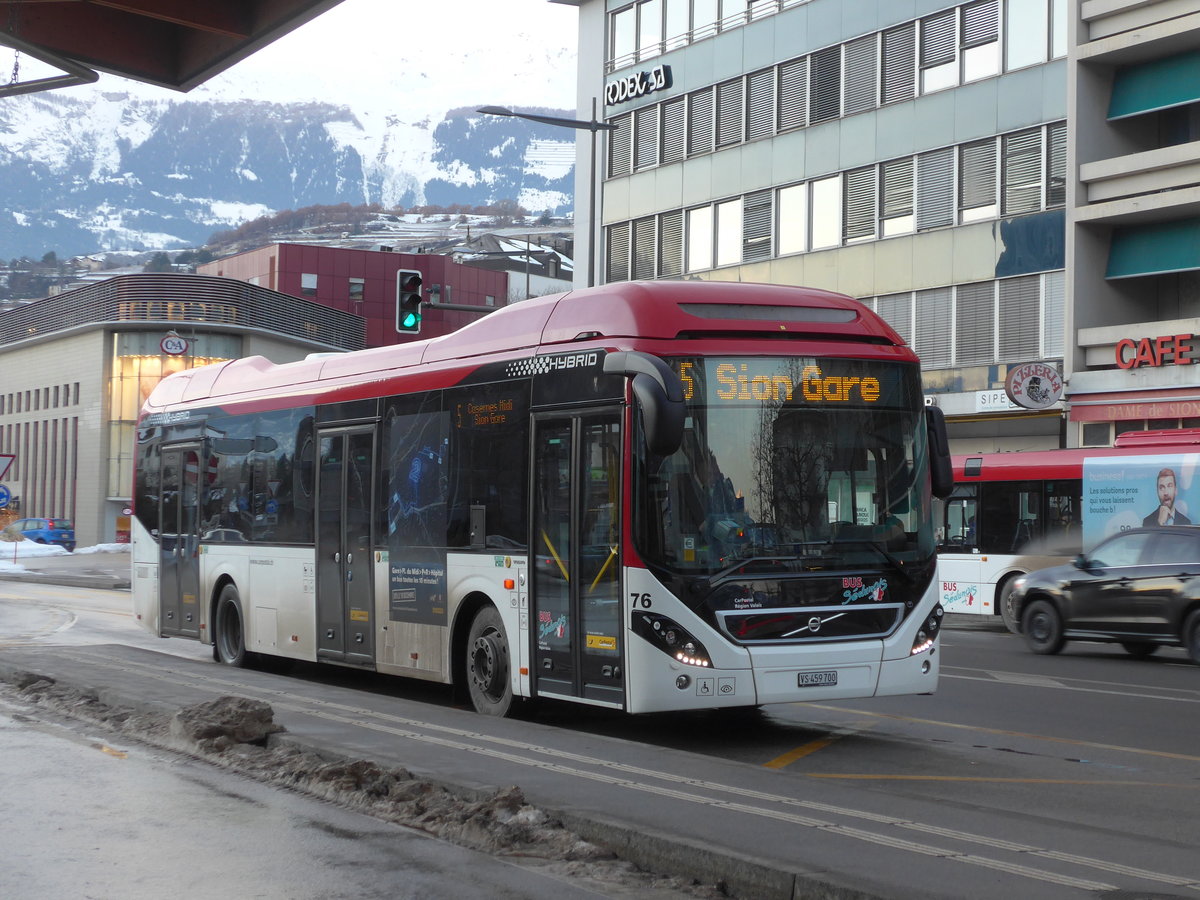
(1004, 600)
(229, 638)
(488, 678)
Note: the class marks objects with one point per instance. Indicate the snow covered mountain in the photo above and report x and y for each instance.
(117, 171)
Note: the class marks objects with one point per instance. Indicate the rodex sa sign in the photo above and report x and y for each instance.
(1034, 385)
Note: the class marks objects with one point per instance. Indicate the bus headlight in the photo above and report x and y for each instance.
(671, 638)
(928, 632)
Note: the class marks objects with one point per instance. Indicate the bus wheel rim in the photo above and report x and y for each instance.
(485, 663)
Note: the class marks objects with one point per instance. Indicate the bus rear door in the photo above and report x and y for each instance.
(577, 600)
(179, 542)
(345, 495)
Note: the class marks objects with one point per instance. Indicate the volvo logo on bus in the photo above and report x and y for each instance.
(814, 624)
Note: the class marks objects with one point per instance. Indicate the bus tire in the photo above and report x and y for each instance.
(1043, 627)
(1004, 603)
(488, 680)
(229, 637)
(1191, 635)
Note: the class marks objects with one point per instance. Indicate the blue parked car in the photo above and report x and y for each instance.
(46, 531)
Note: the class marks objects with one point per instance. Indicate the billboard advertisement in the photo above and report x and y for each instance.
(1123, 492)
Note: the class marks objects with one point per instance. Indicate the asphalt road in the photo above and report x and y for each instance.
(1029, 776)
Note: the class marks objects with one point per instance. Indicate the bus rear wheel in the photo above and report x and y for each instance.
(1004, 601)
(1191, 636)
(488, 678)
(229, 638)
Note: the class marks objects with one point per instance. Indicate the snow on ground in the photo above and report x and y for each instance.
(12, 551)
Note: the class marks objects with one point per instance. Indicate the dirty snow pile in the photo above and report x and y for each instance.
(240, 734)
(12, 551)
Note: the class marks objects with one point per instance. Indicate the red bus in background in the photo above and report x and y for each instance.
(642, 496)
(1011, 513)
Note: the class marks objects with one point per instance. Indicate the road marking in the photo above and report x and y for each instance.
(786, 759)
(1137, 751)
(993, 677)
(459, 739)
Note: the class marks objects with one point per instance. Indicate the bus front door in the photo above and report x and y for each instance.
(345, 494)
(577, 649)
(179, 543)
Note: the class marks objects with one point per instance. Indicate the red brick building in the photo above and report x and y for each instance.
(363, 282)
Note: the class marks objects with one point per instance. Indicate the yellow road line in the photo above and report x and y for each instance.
(804, 750)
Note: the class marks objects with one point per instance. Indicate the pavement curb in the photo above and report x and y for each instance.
(662, 854)
(99, 582)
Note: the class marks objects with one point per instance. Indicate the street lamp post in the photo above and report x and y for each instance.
(593, 126)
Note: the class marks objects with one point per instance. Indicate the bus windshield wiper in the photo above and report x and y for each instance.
(749, 560)
(895, 561)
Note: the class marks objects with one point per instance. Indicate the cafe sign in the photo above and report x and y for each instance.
(1034, 385)
(1164, 350)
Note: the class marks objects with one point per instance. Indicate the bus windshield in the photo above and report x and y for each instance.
(790, 465)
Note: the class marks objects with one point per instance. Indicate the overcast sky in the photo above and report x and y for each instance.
(403, 55)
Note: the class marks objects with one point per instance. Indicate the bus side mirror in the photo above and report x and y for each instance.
(659, 394)
(941, 472)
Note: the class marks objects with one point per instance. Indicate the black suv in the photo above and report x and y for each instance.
(1139, 589)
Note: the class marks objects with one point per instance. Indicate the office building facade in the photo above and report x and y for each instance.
(909, 153)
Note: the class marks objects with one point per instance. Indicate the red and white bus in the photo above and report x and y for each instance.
(642, 496)
(1011, 513)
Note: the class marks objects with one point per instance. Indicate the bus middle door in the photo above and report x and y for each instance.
(345, 517)
(179, 543)
(577, 602)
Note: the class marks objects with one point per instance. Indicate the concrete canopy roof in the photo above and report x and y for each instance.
(176, 44)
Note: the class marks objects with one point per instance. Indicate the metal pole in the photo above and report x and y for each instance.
(591, 204)
(527, 266)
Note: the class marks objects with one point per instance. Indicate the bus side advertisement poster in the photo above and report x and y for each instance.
(1123, 492)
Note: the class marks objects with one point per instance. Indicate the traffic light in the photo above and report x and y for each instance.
(408, 301)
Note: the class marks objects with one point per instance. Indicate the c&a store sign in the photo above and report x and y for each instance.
(1164, 350)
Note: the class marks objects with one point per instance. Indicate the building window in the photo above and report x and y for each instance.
(644, 250)
(975, 323)
(356, 286)
(620, 147)
(674, 130)
(826, 212)
(645, 128)
(760, 104)
(700, 121)
(896, 310)
(977, 181)
(618, 252)
(756, 226)
(308, 284)
(1022, 171)
(792, 220)
(858, 214)
(670, 244)
(896, 206)
(825, 85)
(939, 58)
(1020, 318)
(935, 189)
(793, 94)
(1027, 31)
(862, 75)
(729, 232)
(980, 40)
(729, 113)
(899, 64)
(699, 239)
(932, 339)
